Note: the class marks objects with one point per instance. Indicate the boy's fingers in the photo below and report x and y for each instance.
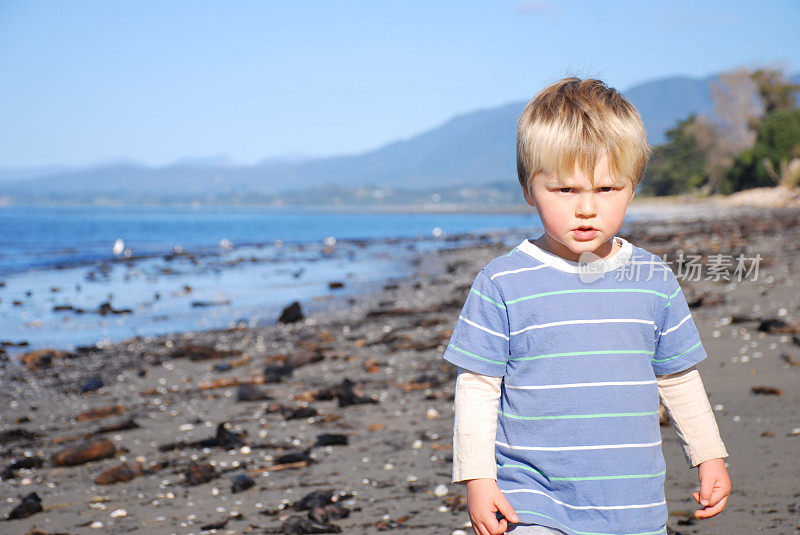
(506, 510)
(711, 511)
(501, 527)
(706, 486)
(478, 528)
(490, 524)
(717, 494)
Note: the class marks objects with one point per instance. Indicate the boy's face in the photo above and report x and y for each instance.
(568, 204)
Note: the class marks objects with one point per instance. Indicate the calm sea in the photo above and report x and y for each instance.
(243, 265)
(41, 237)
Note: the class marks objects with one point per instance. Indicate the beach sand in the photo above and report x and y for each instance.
(384, 444)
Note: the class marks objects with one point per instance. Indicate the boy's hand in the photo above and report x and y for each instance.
(715, 485)
(483, 500)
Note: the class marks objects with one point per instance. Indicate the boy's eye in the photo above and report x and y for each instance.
(602, 189)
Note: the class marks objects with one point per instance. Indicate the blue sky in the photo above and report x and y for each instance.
(84, 82)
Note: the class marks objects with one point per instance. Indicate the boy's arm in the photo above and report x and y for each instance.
(477, 399)
(684, 397)
(476, 403)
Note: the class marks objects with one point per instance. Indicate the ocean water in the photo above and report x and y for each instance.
(235, 266)
(41, 237)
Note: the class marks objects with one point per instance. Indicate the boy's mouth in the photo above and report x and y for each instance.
(585, 233)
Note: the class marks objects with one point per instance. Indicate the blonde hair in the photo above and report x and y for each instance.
(573, 121)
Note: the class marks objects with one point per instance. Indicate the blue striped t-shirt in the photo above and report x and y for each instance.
(578, 344)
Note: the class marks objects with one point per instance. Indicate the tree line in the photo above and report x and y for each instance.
(752, 139)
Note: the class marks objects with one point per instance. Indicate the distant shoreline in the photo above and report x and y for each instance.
(675, 205)
(393, 208)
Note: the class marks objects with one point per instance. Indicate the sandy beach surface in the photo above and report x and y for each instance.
(341, 422)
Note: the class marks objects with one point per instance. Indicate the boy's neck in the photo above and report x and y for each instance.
(545, 242)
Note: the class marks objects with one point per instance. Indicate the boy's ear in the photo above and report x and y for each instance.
(633, 192)
(528, 196)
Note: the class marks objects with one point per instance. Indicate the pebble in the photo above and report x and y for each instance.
(96, 524)
(199, 473)
(417, 444)
(241, 483)
(92, 384)
(85, 452)
(123, 472)
(432, 413)
(332, 439)
(440, 491)
(766, 390)
(118, 513)
(30, 505)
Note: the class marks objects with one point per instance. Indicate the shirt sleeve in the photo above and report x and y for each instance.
(479, 342)
(678, 344)
(477, 399)
(684, 397)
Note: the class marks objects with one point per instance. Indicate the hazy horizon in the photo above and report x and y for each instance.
(152, 84)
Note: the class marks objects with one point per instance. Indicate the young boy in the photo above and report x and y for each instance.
(566, 343)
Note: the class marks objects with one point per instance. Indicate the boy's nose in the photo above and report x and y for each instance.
(586, 205)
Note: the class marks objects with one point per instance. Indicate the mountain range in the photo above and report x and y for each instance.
(471, 149)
